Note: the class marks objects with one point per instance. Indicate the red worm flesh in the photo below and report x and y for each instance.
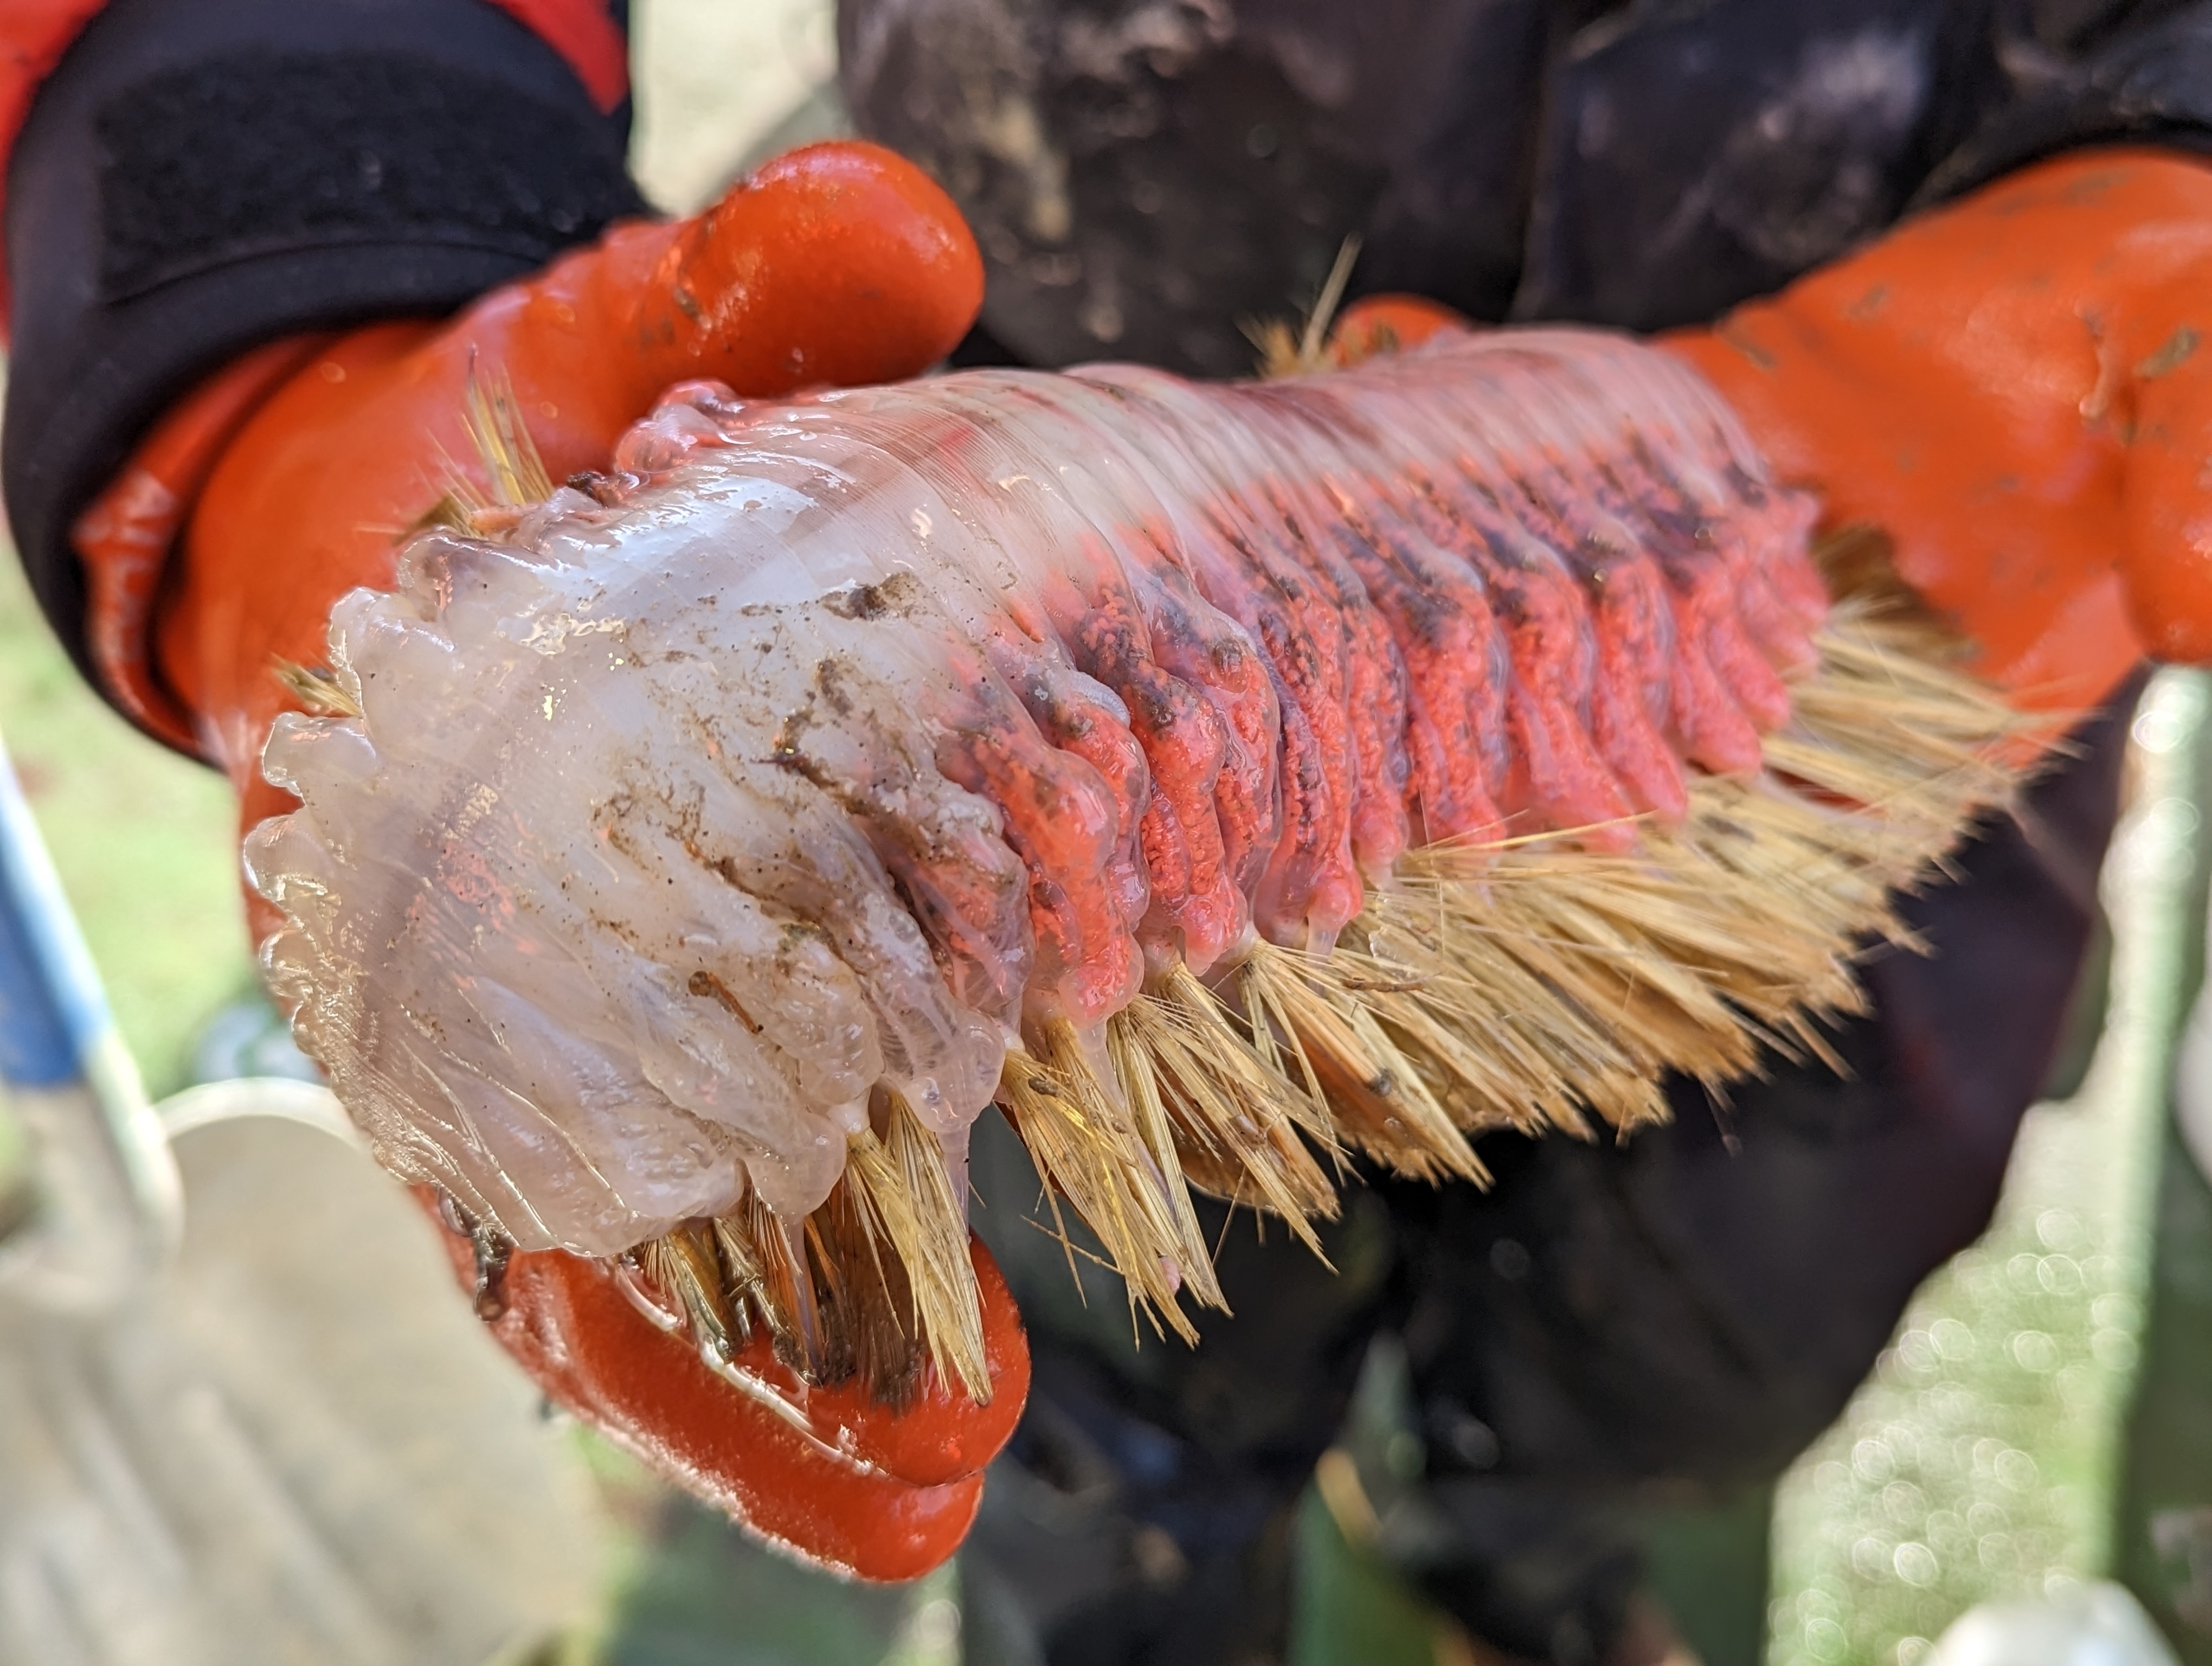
(1229, 651)
(1455, 670)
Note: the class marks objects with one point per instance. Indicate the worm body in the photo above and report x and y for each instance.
(825, 750)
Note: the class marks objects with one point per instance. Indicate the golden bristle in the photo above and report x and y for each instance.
(503, 444)
(1382, 1104)
(1083, 1137)
(1239, 1128)
(319, 692)
(1284, 352)
(900, 1180)
(506, 455)
(682, 1264)
(1140, 1091)
(772, 1255)
(863, 1294)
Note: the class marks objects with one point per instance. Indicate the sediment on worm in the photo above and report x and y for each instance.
(1524, 984)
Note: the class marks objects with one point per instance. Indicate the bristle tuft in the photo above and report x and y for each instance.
(901, 1177)
(1084, 1138)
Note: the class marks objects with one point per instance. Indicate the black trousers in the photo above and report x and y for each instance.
(1691, 1308)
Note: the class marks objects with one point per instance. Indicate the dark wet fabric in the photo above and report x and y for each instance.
(1147, 175)
(1146, 178)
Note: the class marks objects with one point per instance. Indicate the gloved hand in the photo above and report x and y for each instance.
(293, 476)
(2012, 390)
(2018, 392)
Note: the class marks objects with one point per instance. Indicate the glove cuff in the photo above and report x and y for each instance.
(2153, 87)
(124, 538)
(195, 182)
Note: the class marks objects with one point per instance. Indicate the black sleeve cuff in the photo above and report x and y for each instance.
(200, 177)
(2152, 87)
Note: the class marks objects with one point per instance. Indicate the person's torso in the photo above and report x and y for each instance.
(1147, 176)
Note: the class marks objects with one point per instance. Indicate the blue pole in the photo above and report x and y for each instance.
(109, 1201)
(53, 1014)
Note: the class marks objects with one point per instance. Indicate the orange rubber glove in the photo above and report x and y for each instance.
(2018, 390)
(2012, 390)
(292, 478)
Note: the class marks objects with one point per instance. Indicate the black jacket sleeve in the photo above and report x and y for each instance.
(198, 177)
(2142, 83)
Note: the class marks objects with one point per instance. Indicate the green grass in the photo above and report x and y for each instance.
(2163, 1525)
(144, 840)
(1982, 1459)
